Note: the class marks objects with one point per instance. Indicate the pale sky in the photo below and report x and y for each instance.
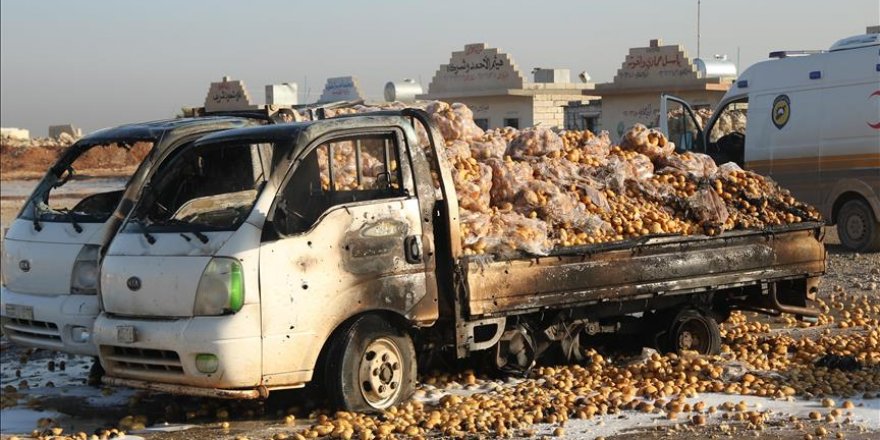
(104, 63)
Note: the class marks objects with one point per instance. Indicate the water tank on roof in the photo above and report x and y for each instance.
(403, 91)
(718, 67)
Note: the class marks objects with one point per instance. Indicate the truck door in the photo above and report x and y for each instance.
(678, 123)
(344, 236)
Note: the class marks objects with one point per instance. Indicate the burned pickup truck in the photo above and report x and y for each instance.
(293, 258)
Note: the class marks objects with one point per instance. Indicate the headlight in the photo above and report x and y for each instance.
(84, 278)
(221, 288)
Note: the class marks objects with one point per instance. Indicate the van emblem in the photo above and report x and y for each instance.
(781, 111)
(24, 265)
(133, 283)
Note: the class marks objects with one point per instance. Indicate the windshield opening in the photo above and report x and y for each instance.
(211, 187)
(86, 187)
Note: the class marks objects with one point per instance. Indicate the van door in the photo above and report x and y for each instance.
(679, 124)
(343, 237)
(783, 140)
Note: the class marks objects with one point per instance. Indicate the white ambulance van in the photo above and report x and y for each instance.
(809, 120)
(52, 251)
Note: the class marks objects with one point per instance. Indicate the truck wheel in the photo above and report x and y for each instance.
(371, 366)
(692, 330)
(857, 228)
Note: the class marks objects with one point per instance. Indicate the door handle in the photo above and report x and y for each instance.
(413, 249)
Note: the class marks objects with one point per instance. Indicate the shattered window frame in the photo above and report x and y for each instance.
(164, 176)
(336, 198)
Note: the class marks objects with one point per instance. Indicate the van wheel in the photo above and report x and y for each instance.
(857, 228)
(692, 330)
(371, 366)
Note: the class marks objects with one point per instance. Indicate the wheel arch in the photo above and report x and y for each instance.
(851, 189)
(397, 320)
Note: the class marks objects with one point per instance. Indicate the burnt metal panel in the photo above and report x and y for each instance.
(665, 266)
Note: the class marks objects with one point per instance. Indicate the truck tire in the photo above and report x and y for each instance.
(371, 366)
(857, 228)
(693, 330)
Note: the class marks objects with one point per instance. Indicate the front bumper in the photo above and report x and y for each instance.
(258, 393)
(50, 321)
(162, 351)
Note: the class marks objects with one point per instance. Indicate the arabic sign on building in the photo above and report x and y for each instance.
(657, 64)
(227, 95)
(342, 88)
(477, 68)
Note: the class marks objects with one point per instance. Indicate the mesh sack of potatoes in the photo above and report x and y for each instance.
(455, 121)
(474, 225)
(622, 168)
(535, 142)
(696, 164)
(512, 232)
(586, 142)
(473, 182)
(509, 177)
(490, 146)
(540, 199)
(648, 141)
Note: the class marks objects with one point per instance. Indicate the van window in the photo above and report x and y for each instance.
(683, 130)
(90, 183)
(338, 172)
(731, 120)
(210, 186)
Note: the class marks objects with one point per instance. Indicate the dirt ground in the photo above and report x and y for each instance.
(41, 390)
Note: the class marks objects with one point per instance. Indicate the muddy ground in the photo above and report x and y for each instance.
(42, 390)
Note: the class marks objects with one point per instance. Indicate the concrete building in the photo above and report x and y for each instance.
(490, 83)
(646, 73)
(18, 134)
(55, 131)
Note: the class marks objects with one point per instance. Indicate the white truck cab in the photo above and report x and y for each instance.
(247, 251)
(809, 120)
(51, 252)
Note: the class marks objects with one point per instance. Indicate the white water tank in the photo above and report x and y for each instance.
(403, 91)
(718, 67)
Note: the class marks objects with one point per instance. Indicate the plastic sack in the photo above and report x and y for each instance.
(696, 164)
(707, 207)
(508, 179)
(472, 185)
(456, 121)
(535, 142)
(647, 141)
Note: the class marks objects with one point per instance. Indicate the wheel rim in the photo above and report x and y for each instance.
(855, 226)
(381, 373)
(694, 335)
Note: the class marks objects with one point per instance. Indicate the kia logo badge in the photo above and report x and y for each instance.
(24, 265)
(133, 283)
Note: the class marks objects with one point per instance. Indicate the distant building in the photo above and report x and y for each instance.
(646, 73)
(282, 94)
(228, 95)
(581, 115)
(489, 82)
(55, 131)
(19, 134)
(341, 88)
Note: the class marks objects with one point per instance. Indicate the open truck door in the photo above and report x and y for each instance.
(678, 123)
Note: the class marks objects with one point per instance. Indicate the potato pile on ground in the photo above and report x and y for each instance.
(534, 190)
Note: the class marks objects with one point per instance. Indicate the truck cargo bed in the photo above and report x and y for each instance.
(633, 269)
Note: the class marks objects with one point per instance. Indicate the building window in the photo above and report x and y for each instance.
(511, 122)
(590, 123)
(482, 123)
